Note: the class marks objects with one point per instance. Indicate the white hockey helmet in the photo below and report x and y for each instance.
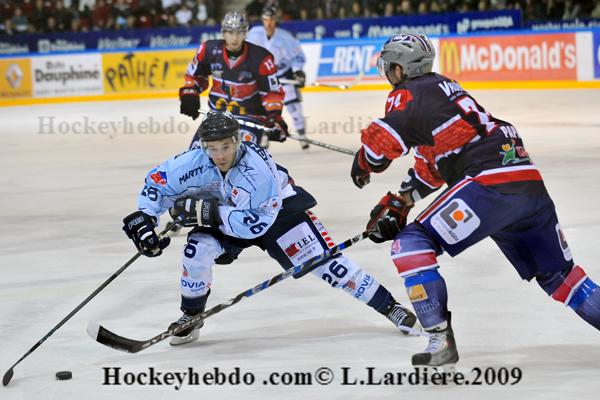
(413, 52)
(235, 21)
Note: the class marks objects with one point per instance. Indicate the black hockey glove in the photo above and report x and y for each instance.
(139, 227)
(190, 101)
(360, 171)
(195, 212)
(280, 133)
(388, 218)
(300, 76)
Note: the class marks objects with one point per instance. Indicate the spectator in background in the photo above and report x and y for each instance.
(595, 13)
(18, 22)
(6, 28)
(200, 12)
(572, 10)
(51, 25)
(38, 16)
(184, 15)
(90, 4)
(63, 16)
(169, 6)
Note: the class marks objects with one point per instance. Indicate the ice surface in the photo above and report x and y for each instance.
(64, 195)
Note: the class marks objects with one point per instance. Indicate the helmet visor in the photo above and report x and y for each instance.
(382, 67)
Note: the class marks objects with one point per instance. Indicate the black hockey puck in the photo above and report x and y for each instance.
(64, 375)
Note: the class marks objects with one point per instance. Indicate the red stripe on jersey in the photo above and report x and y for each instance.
(501, 177)
(565, 291)
(381, 141)
(240, 59)
(412, 261)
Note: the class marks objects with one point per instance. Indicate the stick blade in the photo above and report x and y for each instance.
(110, 339)
(7, 376)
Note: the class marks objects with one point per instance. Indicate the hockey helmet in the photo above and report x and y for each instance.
(219, 125)
(235, 21)
(269, 11)
(413, 52)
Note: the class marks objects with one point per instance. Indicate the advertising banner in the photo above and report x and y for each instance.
(596, 54)
(509, 57)
(142, 71)
(349, 28)
(67, 75)
(15, 78)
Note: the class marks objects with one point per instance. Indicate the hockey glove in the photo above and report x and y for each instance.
(280, 133)
(360, 171)
(194, 212)
(139, 227)
(190, 101)
(300, 76)
(388, 218)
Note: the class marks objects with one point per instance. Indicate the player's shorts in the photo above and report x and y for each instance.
(292, 240)
(525, 227)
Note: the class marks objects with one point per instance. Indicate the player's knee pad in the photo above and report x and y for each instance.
(199, 255)
(341, 272)
(575, 289)
(429, 297)
(413, 251)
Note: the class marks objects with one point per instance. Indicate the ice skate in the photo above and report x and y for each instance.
(403, 318)
(187, 335)
(303, 145)
(441, 350)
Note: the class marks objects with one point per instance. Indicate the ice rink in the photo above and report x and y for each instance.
(64, 194)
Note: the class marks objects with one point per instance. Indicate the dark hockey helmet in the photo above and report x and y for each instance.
(219, 125)
(269, 11)
(235, 21)
(414, 53)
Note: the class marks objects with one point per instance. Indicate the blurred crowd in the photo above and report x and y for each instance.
(326, 9)
(49, 16)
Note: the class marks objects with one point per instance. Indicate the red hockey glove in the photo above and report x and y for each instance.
(388, 218)
(189, 98)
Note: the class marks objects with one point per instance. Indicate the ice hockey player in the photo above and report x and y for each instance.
(290, 60)
(244, 81)
(493, 190)
(236, 196)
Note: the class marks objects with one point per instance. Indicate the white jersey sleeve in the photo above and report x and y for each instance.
(283, 45)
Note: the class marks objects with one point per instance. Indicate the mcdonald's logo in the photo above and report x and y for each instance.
(449, 57)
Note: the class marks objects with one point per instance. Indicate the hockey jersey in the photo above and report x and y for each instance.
(286, 49)
(452, 137)
(251, 194)
(246, 86)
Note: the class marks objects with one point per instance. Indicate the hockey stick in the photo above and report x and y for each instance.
(315, 142)
(9, 374)
(286, 81)
(321, 144)
(110, 339)
(347, 86)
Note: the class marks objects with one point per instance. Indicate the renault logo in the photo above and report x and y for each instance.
(14, 76)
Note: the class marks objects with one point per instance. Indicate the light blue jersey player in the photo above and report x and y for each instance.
(236, 196)
(290, 60)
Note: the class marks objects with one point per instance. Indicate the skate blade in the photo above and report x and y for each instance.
(192, 337)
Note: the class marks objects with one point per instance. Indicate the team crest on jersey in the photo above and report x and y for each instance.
(455, 222)
(513, 154)
(159, 177)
